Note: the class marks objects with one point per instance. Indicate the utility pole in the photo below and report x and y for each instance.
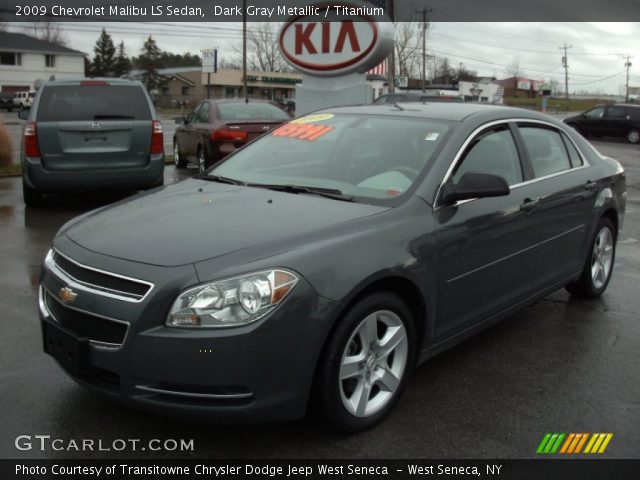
(391, 59)
(424, 12)
(627, 65)
(244, 51)
(565, 64)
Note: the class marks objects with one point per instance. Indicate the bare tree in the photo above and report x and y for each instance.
(263, 54)
(47, 31)
(409, 48)
(513, 69)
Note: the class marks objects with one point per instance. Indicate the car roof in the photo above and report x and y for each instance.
(456, 112)
(78, 81)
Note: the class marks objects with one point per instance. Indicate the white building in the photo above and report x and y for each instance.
(24, 59)
(484, 90)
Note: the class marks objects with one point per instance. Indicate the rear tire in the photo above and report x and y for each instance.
(598, 267)
(355, 393)
(31, 197)
(633, 136)
(178, 160)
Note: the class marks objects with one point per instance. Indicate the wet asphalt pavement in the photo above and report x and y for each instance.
(561, 365)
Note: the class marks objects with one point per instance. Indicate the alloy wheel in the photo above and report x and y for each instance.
(176, 154)
(602, 258)
(633, 136)
(373, 363)
(201, 160)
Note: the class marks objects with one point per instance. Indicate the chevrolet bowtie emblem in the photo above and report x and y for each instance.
(67, 295)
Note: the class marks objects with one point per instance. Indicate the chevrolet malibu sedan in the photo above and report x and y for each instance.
(318, 265)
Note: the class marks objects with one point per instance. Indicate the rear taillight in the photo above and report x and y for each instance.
(157, 139)
(31, 148)
(229, 136)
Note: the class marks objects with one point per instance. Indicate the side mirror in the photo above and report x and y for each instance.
(475, 185)
(23, 114)
(180, 120)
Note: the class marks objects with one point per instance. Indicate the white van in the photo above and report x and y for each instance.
(24, 99)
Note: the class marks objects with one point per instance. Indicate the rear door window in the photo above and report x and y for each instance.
(68, 103)
(547, 150)
(616, 113)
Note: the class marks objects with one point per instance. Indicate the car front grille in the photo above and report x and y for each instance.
(96, 329)
(103, 282)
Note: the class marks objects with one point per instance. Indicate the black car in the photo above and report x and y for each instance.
(6, 101)
(316, 266)
(616, 121)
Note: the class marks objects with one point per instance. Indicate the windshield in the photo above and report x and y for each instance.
(360, 155)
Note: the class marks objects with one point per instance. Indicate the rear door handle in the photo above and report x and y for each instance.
(528, 204)
(591, 185)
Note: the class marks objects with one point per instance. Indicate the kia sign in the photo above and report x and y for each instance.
(343, 44)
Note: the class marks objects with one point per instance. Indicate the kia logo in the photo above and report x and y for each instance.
(332, 48)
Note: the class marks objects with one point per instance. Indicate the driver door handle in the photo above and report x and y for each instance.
(529, 204)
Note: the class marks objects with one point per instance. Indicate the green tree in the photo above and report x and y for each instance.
(122, 64)
(104, 58)
(149, 62)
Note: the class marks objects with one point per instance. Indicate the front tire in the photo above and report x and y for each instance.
(178, 160)
(599, 265)
(366, 363)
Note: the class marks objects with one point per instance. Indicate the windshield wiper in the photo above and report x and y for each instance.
(219, 178)
(113, 117)
(333, 193)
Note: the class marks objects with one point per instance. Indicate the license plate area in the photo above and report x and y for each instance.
(71, 351)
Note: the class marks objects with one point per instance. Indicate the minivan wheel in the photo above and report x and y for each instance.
(366, 363)
(599, 265)
(177, 156)
(633, 136)
(31, 197)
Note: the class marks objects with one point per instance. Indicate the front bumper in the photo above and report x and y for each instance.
(256, 373)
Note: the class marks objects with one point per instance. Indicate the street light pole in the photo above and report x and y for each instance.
(424, 12)
(627, 65)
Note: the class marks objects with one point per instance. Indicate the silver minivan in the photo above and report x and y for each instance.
(91, 134)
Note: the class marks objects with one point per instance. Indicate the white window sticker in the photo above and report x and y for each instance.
(431, 136)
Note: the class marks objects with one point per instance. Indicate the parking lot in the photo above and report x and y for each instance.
(561, 365)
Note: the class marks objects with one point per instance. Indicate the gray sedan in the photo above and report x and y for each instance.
(318, 265)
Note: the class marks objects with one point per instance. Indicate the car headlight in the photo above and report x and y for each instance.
(231, 302)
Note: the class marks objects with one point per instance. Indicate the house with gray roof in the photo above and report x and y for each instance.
(24, 60)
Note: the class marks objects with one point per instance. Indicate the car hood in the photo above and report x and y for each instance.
(197, 220)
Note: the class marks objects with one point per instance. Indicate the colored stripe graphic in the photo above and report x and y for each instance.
(573, 443)
(550, 443)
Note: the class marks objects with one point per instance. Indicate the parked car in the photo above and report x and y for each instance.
(6, 101)
(216, 128)
(319, 264)
(87, 134)
(431, 96)
(23, 99)
(616, 121)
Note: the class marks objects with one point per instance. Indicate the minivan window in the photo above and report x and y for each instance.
(546, 149)
(67, 103)
(595, 113)
(360, 155)
(617, 112)
(249, 111)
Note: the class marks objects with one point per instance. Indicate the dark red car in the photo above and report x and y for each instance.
(216, 128)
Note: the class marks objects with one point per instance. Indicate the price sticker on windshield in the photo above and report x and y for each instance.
(302, 131)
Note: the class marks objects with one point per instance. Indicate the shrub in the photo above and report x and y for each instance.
(5, 145)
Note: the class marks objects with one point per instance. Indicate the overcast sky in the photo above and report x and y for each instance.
(596, 60)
